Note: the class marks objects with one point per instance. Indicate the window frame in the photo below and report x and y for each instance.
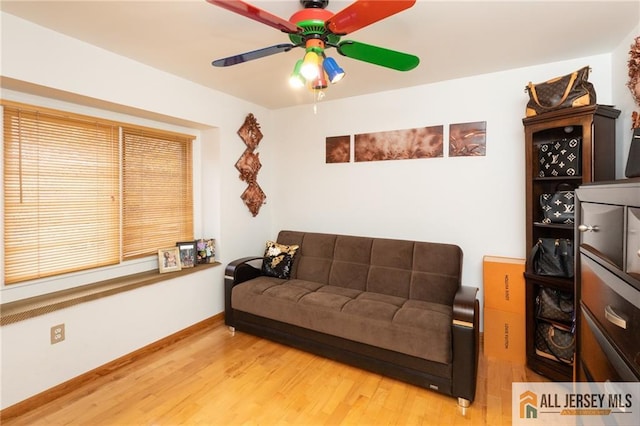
(123, 266)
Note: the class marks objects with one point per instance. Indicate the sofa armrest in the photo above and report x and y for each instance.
(240, 270)
(464, 306)
(466, 344)
(237, 272)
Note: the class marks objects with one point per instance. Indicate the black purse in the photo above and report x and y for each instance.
(558, 207)
(560, 158)
(552, 257)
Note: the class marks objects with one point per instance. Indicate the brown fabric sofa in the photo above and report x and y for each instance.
(394, 307)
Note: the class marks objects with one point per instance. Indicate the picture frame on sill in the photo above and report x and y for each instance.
(187, 251)
(205, 250)
(169, 259)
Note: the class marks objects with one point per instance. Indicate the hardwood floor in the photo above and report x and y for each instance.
(215, 378)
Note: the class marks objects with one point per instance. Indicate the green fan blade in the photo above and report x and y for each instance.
(378, 55)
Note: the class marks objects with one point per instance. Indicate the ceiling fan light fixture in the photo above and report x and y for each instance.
(310, 65)
(296, 80)
(314, 28)
(320, 82)
(334, 72)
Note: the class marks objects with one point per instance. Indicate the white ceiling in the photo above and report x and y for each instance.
(453, 39)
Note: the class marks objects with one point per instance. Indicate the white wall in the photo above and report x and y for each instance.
(46, 67)
(623, 99)
(475, 202)
(100, 331)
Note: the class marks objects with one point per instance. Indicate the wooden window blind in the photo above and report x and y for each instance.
(61, 193)
(157, 191)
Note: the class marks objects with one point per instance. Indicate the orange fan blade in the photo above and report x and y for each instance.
(257, 14)
(365, 12)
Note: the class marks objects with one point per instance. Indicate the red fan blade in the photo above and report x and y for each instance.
(363, 13)
(257, 14)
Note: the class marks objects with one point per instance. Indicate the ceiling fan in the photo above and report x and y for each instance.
(316, 29)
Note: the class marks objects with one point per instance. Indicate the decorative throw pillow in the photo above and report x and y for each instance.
(278, 259)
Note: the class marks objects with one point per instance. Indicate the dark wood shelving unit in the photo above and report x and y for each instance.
(595, 125)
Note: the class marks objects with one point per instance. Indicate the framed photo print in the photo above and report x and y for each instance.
(187, 250)
(169, 260)
(206, 250)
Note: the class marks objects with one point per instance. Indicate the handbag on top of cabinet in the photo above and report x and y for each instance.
(571, 90)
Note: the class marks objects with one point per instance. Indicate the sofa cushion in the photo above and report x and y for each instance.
(424, 271)
(278, 259)
(350, 267)
(316, 255)
(371, 308)
(413, 327)
(325, 299)
(437, 272)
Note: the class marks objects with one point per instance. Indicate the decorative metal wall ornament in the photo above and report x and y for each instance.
(249, 164)
(634, 79)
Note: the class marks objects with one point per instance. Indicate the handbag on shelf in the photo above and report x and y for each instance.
(558, 207)
(555, 342)
(560, 158)
(633, 162)
(552, 257)
(554, 305)
(571, 90)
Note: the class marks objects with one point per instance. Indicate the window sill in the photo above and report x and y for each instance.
(21, 310)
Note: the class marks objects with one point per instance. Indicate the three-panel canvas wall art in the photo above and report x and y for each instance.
(465, 140)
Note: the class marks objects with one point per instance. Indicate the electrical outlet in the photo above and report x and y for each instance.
(57, 334)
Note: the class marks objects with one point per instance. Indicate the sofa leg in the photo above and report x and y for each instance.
(232, 330)
(464, 403)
